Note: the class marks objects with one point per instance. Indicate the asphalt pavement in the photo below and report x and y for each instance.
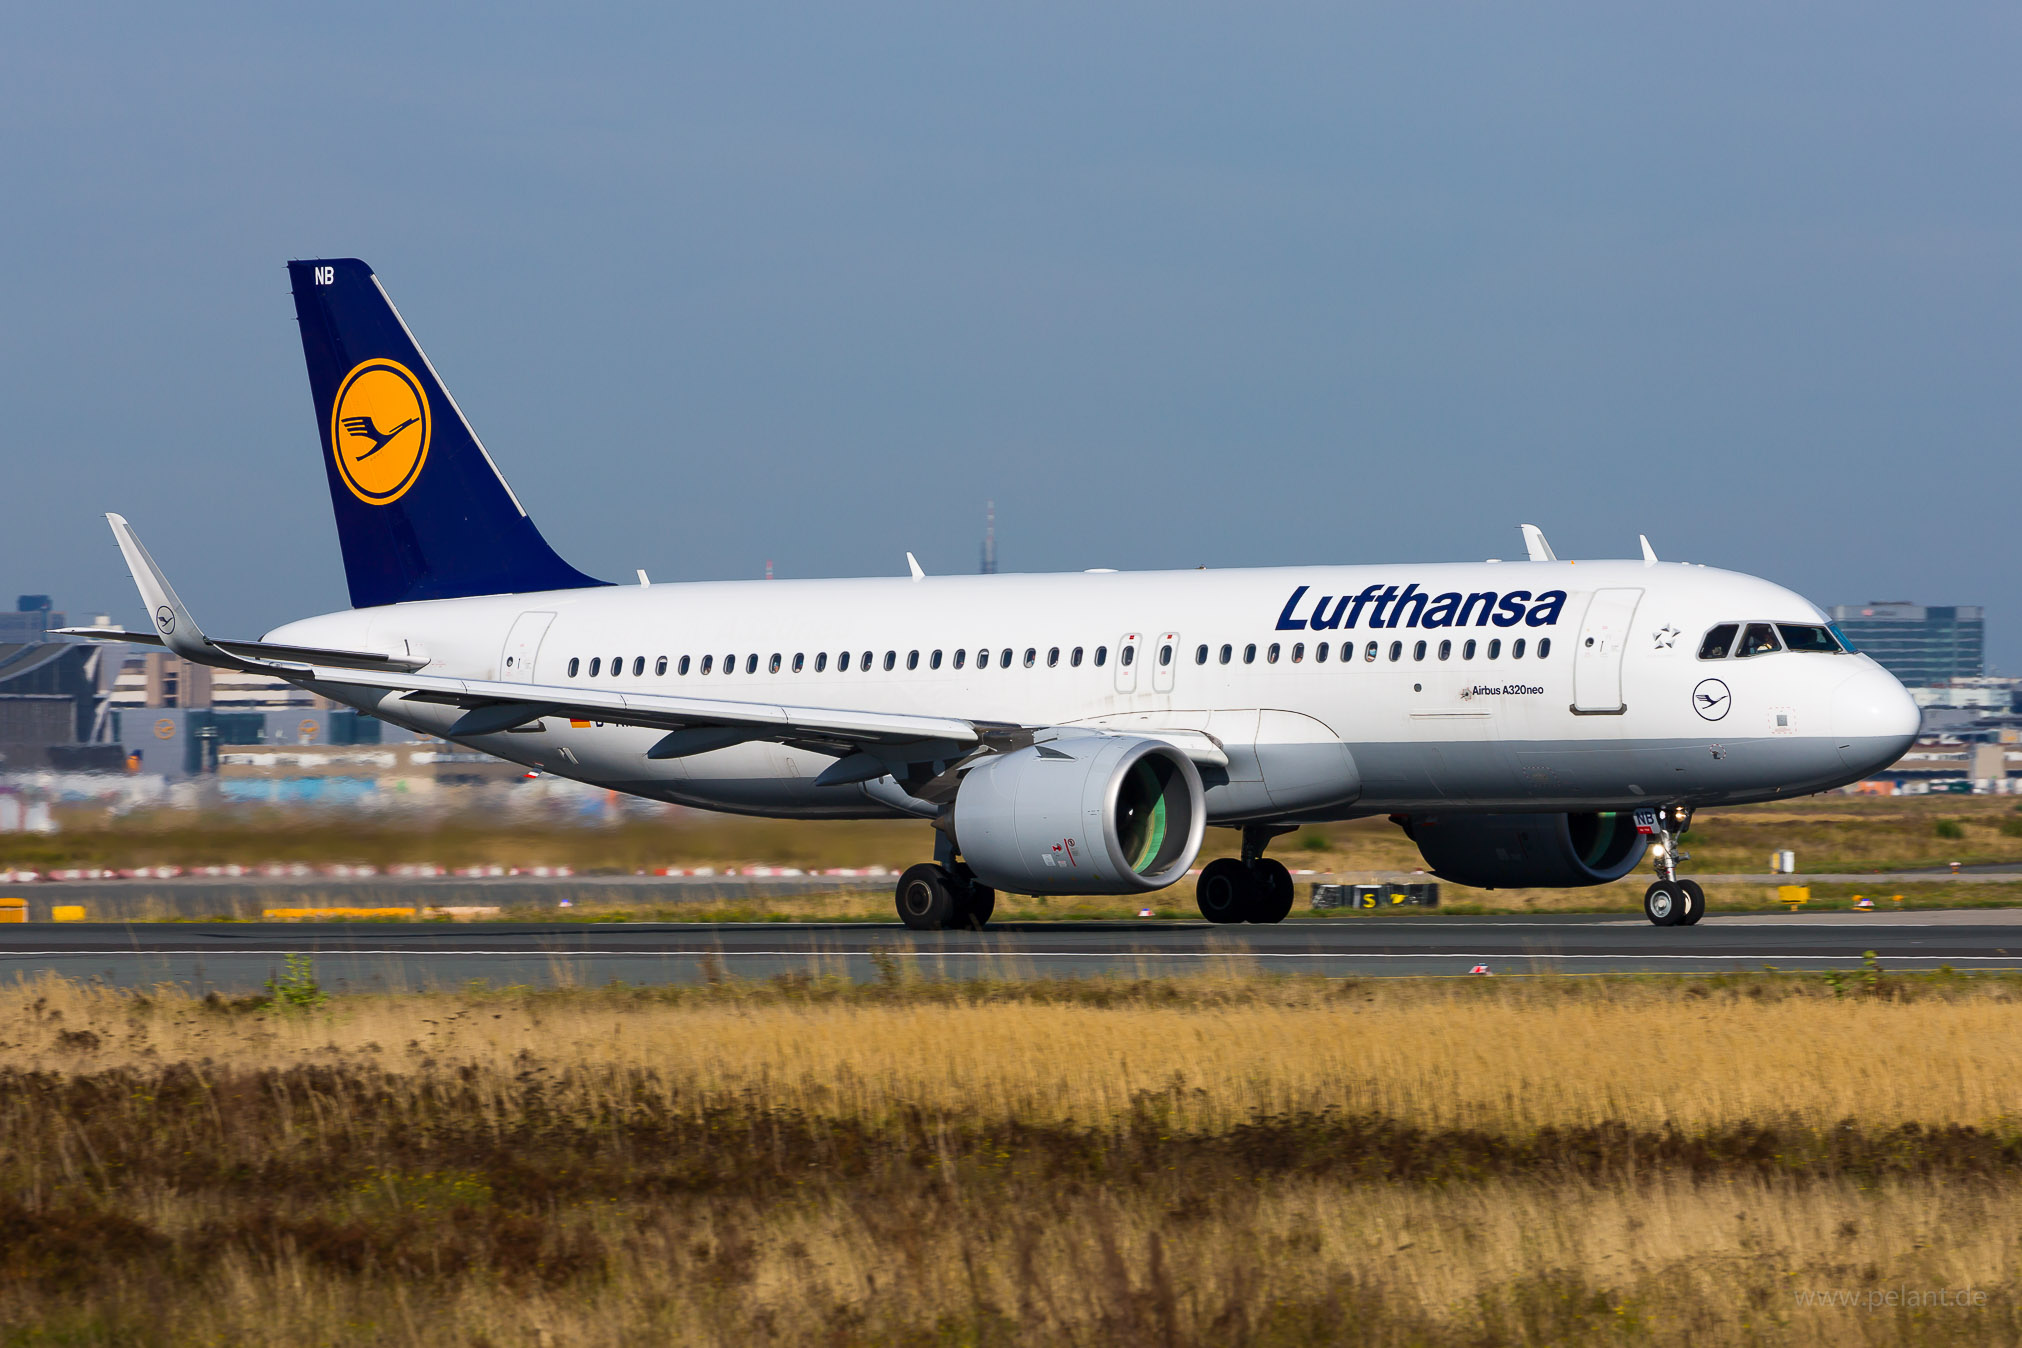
(237, 957)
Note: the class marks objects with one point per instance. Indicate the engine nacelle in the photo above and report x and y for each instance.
(1088, 814)
(1543, 851)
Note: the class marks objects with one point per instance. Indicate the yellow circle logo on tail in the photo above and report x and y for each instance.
(379, 429)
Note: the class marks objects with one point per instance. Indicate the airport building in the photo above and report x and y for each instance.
(32, 617)
(1923, 645)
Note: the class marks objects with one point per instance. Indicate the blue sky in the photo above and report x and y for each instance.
(1174, 284)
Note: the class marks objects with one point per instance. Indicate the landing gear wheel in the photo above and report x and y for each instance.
(1697, 903)
(1225, 892)
(973, 904)
(926, 897)
(1273, 891)
(1665, 904)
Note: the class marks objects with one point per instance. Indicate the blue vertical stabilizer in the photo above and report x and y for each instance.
(422, 512)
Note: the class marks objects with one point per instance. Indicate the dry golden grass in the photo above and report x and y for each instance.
(1216, 1160)
(1508, 1057)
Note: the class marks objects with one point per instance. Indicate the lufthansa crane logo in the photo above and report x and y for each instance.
(1711, 699)
(379, 430)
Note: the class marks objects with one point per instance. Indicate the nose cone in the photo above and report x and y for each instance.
(1874, 719)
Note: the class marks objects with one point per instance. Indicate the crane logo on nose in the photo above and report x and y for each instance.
(1711, 699)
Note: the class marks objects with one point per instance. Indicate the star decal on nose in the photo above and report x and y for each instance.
(1665, 636)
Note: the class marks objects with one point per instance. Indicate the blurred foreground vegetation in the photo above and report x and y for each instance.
(1215, 1160)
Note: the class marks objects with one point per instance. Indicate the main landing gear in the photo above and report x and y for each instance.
(1671, 902)
(1254, 889)
(942, 894)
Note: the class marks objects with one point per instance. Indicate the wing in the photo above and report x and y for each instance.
(865, 744)
(361, 426)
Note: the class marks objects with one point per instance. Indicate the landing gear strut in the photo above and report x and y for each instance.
(943, 893)
(1671, 902)
(1254, 889)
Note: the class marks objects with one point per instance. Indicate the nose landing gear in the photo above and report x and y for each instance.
(1670, 902)
(1254, 889)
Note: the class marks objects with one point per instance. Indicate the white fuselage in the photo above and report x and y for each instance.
(1615, 712)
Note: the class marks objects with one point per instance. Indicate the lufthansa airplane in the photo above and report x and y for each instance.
(1534, 723)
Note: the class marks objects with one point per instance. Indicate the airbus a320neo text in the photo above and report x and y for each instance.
(1527, 723)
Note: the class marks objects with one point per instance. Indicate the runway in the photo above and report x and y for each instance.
(232, 957)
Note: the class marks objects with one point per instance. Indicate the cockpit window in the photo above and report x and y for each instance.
(1805, 637)
(1717, 642)
(1759, 639)
(1839, 635)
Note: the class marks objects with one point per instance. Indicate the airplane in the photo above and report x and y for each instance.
(1535, 723)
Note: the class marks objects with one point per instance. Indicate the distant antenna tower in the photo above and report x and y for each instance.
(990, 538)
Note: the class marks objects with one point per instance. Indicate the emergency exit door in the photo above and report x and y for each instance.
(1597, 659)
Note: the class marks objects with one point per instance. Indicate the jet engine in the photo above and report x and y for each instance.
(1543, 851)
(1087, 814)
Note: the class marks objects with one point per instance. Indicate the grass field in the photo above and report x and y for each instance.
(1828, 833)
(1221, 1160)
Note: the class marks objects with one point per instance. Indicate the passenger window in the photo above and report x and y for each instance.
(1418, 651)
(820, 662)
(1227, 652)
(1101, 656)
(864, 665)
(1031, 656)
(660, 668)
(1494, 647)
(1369, 652)
(575, 663)
(617, 665)
(799, 661)
(1165, 654)
(1758, 639)
(1250, 654)
(1200, 655)
(1052, 657)
(1396, 651)
(912, 659)
(682, 668)
(1544, 647)
(1128, 655)
(772, 665)
(961, 656)
(638, 666)
(1074, 657)
(934, 660)
(1807, 638)
(729, 664)
(1516, 650)
(891, 659)
(1271, 655)
(1445, 649)
(1298, 651)
(596, 663)
(751, 664)
(1467, 649)
(1718, 641)
(708, 663)
(1004, 660)
(1320, 653)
